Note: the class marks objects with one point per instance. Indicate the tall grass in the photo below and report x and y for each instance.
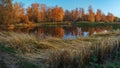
(77, 53)
(22, 42)
(83, 56)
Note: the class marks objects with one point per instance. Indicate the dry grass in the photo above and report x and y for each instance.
(79, 55)
(22, 42)
(64, 53)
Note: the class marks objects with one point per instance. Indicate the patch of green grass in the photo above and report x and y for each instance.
(112, 64)
(3, 48)
(96, 24)
(25, 64)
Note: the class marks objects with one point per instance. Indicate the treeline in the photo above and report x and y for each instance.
(36, 13)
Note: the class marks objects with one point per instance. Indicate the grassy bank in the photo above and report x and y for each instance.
(58, 53)
(97, 24)
(115, 25)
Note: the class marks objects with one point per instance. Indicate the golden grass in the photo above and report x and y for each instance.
(22, 42)
(81, 52)
(63, 53)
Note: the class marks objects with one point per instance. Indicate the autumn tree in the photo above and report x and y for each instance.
(33, 13)
(57, 14)
(61, 14)
(110, 17)
(86, 17)
(81, 14)
(35, 10)
(67, 15)
(91, 14)
(75, 14)
(6, 16)
(98, 15)
(49, 15)
(18, 12)
(103, 18)
(42, 13)
(30, 13)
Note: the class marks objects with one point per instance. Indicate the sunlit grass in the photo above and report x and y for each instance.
(64, 53)
(22, 42)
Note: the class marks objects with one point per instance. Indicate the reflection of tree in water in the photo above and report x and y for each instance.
(23, 30)
(68, 30)
(42, 32)
(75, 31)
(93, 30)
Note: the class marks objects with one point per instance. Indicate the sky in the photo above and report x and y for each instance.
(106, 6)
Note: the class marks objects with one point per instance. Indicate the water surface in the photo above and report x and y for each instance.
(61, 32)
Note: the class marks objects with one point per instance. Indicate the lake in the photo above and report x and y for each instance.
(70, 32)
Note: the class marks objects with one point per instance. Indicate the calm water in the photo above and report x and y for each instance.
(62, 32)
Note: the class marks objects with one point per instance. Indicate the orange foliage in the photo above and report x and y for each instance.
(75, 14)
(103, 18)
(42, 13)
(67, 16)
(37, 13)
(58, 32)
(91, 14)
(82, 14)
(19, 13)
(49, 14)
(110, 17)
(57, 14)
(98, 15)
(29, 13)
(75, 31)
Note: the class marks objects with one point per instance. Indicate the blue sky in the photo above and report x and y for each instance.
(106, 6)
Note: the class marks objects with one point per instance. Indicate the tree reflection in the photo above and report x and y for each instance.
(61, 32)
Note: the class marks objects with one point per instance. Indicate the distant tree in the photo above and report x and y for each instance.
(103, 18)
(86, 17)
(49, 14)
(36, 13)
(81, 14)
(6, 16)
(91, 14)
(42, 13)
(67, 15)
(30, 13)
(116, 19)
(33, 12)
(18, 12)
(110, 17)
(57, 14)
(26, 20)
(75, 14)
(61, 14)
(98, 15)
